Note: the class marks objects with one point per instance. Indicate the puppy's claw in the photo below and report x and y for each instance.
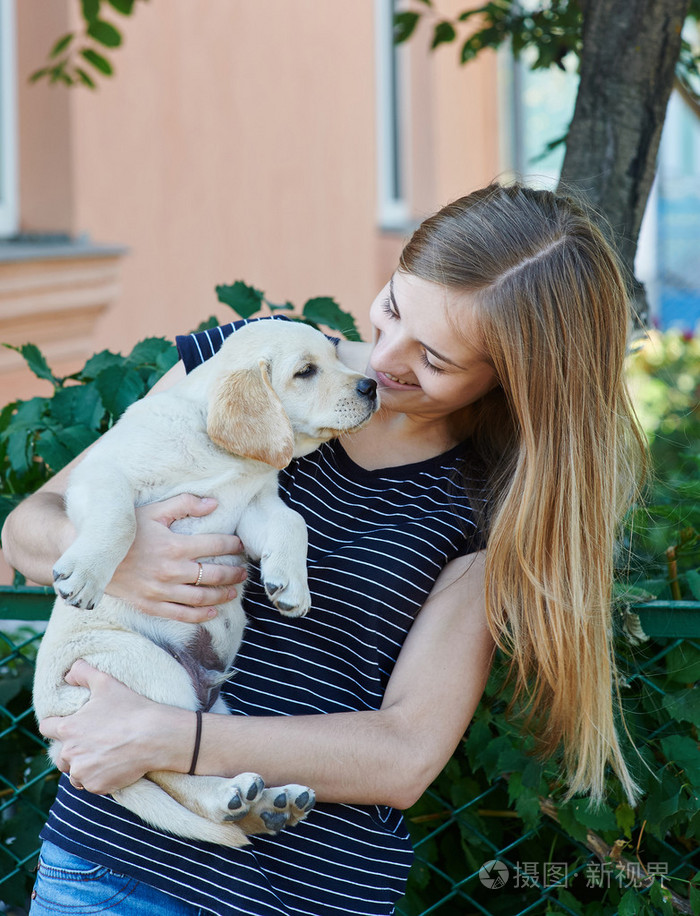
(255, 789)
(235, 803)
(272, 589)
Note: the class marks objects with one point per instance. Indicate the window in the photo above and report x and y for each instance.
(391, 106)
(542, 104)
(8, 121)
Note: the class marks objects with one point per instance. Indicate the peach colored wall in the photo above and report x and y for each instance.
(241, 139)
(237, 141)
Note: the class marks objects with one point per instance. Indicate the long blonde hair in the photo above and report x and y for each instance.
(562, 446)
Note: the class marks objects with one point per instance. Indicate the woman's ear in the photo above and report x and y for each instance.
(247, 418)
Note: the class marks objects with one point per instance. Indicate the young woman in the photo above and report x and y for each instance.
(478, 507)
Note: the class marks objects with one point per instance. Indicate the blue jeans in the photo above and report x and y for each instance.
(71, 886)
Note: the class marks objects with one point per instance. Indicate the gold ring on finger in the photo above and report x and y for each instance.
(199, 574)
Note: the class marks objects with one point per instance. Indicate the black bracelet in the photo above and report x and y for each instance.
(197, 740)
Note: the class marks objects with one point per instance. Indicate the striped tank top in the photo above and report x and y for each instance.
(377, 542)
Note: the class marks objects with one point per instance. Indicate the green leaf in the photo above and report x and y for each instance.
(61, 45)
(98, 363)
(57, 447)
(91, 9)
(118, 389)
(36, 361)
(125, 7)
(625, 818)
(629, 904)
(692, 577)
(683, 663)
(39, 74)
(85, 78)
(683, 752)
(284, 307)
(443, 34)
(404, 26)
(17, 451)
(685, 706)
(595, 817)
(243, 299)
(211, 322)
(569, 820)
(105, 33)
(77, 405)
(694, 897)
(326, 311)
(150, 352)
(660, 896)
(98, 61)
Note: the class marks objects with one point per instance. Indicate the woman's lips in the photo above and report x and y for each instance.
(390, 381)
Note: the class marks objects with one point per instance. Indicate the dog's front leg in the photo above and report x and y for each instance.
(100, 504)
(276, 535)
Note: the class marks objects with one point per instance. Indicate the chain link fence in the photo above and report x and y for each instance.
(484, 845)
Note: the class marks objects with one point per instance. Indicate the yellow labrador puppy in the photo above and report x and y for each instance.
(276, 390)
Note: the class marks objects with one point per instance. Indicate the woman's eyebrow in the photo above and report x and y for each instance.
(442, 358)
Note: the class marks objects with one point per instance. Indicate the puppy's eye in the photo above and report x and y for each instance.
(306, 372)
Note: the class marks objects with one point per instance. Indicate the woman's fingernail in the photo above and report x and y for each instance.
(212, 612)
(231, 593)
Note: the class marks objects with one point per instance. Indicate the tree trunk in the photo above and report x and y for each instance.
(630, 50)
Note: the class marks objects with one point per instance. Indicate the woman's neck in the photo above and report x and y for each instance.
(393, 439)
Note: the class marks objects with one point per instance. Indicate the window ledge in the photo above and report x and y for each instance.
(41, 247)
(53, 290)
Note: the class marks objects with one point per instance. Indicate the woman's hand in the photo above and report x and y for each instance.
(159, 573)
(118, 735)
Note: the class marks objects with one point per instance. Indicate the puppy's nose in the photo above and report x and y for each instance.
(367, 387)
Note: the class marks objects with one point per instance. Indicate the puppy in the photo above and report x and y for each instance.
(276, 390)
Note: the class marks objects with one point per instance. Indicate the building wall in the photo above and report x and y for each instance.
(236, 141)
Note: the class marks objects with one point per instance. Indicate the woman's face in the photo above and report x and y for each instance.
(422, 365)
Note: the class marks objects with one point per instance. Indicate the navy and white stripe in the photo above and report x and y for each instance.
(377, 542)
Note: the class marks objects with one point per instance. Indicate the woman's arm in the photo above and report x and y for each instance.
(157, 573)
(388, 756)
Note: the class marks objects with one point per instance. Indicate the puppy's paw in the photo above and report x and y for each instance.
(290, 595)
(240, 794)
(276, 808)
(79, 583)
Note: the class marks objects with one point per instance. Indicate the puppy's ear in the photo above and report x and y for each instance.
(247, 418)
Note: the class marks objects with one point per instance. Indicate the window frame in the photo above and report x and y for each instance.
(393, 211)
(9, 176)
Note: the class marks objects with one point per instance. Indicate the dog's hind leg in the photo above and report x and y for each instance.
(242, 800)
(154, 806)
(100, 504)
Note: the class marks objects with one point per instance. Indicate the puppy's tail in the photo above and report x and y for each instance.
(154, 806)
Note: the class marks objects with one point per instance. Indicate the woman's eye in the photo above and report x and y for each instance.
(388, 310)
(428, 365)
(306, 372)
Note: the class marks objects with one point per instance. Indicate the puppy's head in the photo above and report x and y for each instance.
(280, 391)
